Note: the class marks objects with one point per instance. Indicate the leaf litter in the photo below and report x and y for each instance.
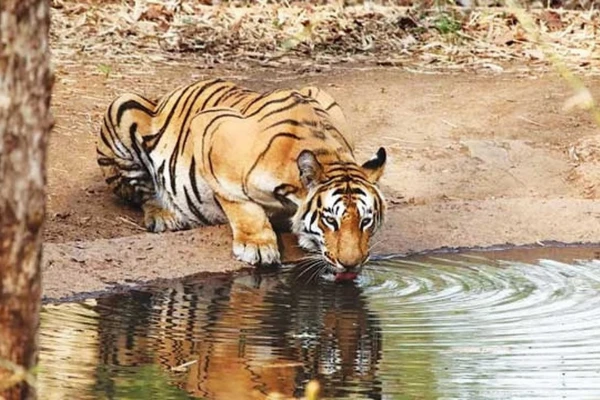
(305, 35)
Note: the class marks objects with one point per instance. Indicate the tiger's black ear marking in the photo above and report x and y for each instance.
(311, 171)
(374, 167)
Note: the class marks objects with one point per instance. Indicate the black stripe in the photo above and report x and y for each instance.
(358, 191)
(201, 89)
(153, 103)
(138, 151)
(192, 176)
(313, 218)
(131, 167)
(109, 124)
(108, 145)
(266, 104)
(100, 153)
(335, 203)
(105, 161)
(111, 179)
(161, 173)
(309, 206)
(349, 175)
(172, 165)
(194, 209)
(279, 110)
(165, 100)
(134, 143)
(225, 95)
(252, 102)
(346, 169)
(238, 101)
(319, 110)
(147, 140)
(211, 167)
(132, 105)
(219, 90)
(347, 179)
(232, 93)
(292, 122)
(345, 164)
(329, 107)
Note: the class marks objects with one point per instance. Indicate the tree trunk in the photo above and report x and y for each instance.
(25, 121)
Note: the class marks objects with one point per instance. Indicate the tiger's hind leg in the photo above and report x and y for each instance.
(254, 240)
(128, 162)
(120, 155)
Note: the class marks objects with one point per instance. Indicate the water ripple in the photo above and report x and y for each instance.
(490, 330)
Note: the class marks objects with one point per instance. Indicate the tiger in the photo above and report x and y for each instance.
(213, 152)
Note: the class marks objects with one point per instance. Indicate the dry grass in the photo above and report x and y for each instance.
(446, 38)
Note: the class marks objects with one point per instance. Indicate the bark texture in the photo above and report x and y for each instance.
(25, 121)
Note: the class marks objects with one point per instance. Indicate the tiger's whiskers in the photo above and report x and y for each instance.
(314, 263)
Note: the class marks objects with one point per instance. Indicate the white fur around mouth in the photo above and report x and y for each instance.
(328, 276)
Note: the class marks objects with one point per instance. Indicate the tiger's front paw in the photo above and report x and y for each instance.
(257, 252)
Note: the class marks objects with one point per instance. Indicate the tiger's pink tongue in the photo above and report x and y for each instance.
(345, 276)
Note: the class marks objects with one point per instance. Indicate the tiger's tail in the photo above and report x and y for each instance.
(120, 152)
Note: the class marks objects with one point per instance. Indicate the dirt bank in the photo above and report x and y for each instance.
(474, 160)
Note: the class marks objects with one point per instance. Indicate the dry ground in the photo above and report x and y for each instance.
(475, 160)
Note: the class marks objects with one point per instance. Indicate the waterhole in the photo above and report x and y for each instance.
(521, 324)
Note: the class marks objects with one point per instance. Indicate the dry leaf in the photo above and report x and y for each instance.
(551, 19)
(156, 12)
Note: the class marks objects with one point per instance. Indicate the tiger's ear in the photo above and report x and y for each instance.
(375, 166)
(311, 171)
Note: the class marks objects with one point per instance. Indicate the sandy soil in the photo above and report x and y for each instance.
(475, 160)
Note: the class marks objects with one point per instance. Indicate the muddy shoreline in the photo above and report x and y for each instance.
(75, 270)
(533, 250)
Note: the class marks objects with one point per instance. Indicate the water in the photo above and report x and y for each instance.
(497, 325)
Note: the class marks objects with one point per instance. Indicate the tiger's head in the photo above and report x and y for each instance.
(343, 208)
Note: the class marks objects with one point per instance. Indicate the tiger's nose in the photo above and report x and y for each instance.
(348, 268)
(353, 263)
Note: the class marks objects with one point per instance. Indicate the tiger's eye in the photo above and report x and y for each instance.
(365, 222)
(331, 221)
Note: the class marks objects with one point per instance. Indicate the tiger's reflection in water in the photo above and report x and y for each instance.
(244, 337)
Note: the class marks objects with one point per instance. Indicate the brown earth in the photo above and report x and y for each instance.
(475, 160)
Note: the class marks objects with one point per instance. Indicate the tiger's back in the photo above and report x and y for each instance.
(146, 148)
